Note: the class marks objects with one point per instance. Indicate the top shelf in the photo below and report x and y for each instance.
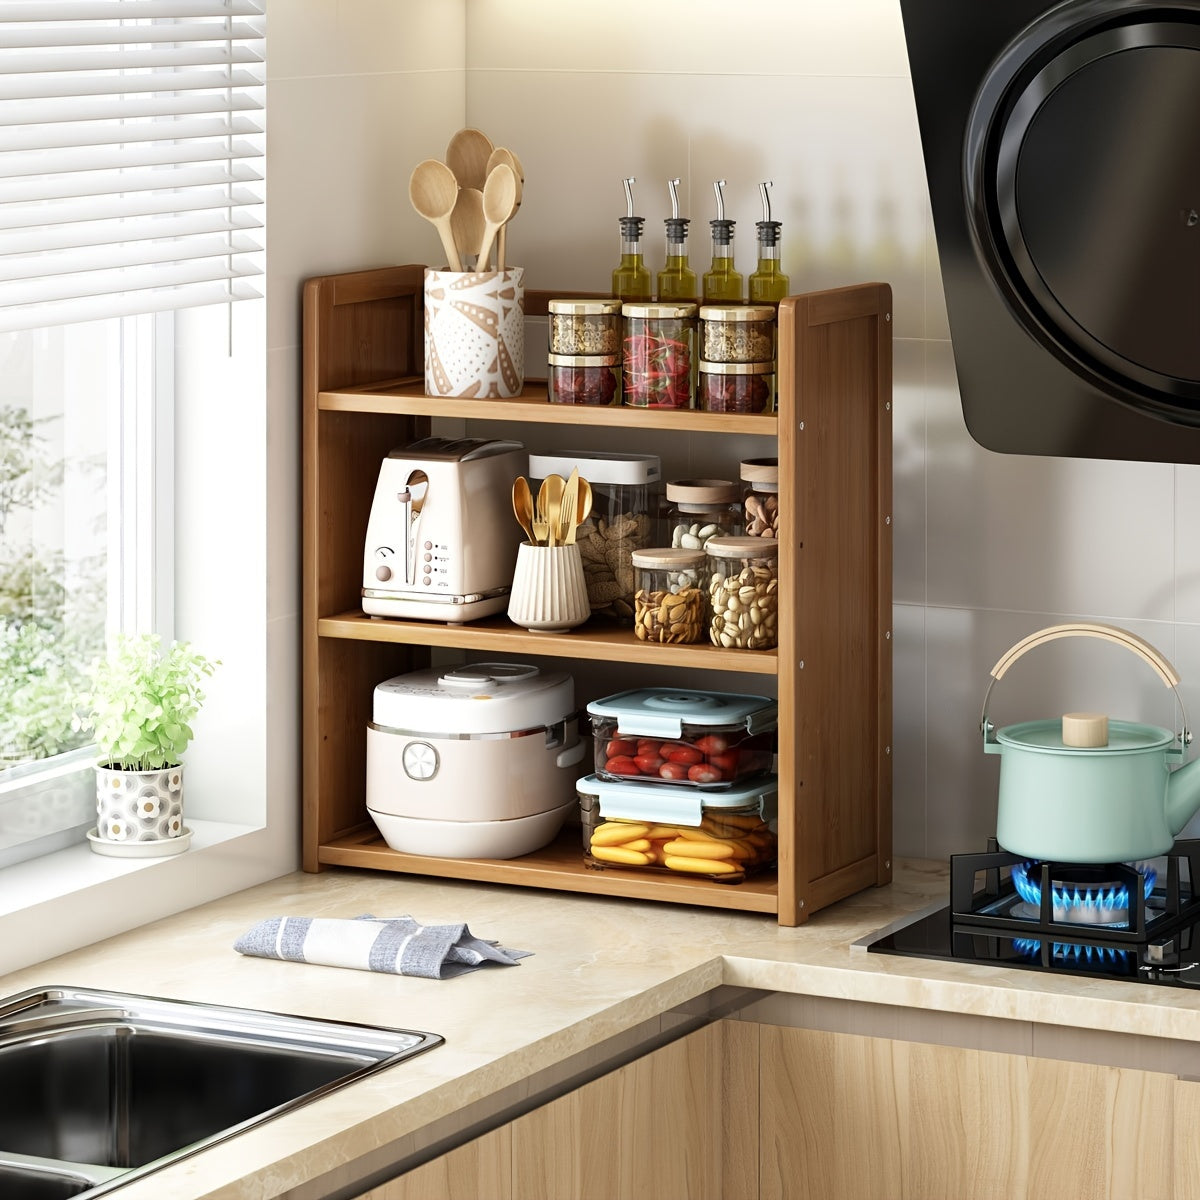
(406, 397)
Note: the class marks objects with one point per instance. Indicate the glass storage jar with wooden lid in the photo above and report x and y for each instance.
(668, 605)
(699, 509)
(743, 593)
(761, 498)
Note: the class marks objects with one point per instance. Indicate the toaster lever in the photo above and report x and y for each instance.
(404, 496)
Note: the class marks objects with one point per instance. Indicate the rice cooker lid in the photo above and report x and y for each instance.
(477, 698)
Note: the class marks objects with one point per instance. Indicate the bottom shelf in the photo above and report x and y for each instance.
(559, 866)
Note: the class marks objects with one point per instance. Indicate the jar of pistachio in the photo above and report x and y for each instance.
(743, 592)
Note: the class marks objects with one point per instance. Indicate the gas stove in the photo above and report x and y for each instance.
(1137, 921)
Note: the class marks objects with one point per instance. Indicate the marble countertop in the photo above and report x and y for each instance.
(599, 968)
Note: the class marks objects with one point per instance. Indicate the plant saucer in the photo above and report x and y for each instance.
(160, 848)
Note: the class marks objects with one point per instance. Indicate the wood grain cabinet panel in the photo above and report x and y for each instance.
(480, 1169)
(856, 1118)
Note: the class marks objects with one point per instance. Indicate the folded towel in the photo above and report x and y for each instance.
(394, 945)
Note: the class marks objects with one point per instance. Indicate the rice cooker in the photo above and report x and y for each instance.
(476, 761)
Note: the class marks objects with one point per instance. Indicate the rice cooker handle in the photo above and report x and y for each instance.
(571, 755)
(1109, 633)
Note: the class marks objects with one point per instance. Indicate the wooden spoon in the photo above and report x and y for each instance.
(433, 190)
(467, 156)
(503, 155)
(499, 199)
(466, 223)
(522, 499)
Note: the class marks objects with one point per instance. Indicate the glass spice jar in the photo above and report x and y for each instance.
(737, 334)
(585, 326)
(735, 387)
(593, 379)
(761, 498)
(659, 359)
(669, 601)
(743, 593)
(699, 509)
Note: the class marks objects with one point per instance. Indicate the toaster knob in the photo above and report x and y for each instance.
(383, 574)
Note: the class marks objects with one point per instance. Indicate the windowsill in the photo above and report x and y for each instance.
(75, 870)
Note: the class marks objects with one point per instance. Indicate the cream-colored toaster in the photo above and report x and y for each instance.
(442, 540)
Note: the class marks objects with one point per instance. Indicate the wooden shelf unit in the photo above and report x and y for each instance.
(363, 395)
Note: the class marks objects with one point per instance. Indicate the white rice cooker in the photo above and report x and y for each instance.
(477, 761)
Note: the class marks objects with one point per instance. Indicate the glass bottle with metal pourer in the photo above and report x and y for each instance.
(768, 284)
(722, 284)
(677, 281)
(631, 279)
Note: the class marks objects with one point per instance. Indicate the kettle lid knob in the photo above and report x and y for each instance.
(1085, 730)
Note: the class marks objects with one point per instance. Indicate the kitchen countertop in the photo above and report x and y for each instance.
(600, 968)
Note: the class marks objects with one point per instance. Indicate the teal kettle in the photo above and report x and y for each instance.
(1086, 789)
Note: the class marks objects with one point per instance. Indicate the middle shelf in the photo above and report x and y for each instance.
(499, 634)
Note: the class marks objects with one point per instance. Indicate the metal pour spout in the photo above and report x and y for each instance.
(766, 200)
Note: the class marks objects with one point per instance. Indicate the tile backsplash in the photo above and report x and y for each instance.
(816, 97)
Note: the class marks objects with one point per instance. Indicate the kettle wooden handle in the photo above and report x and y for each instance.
(1108, 633)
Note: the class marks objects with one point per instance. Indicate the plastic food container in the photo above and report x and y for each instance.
(593, 379)
(723, 836)
(761, 499)
(591, 327)
(669, 601)
(735, 387)
(743, 593)
(694, 739)
(743, 333)
(625, 496)
(659, 357)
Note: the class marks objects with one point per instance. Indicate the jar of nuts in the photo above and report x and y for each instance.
(698, 509)
(584, 326)
(761, 499)
(743, 593)
(668, 605)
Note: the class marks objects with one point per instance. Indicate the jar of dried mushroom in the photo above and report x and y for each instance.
(626, 495)
(761, 499)
(669, 601)
(585, 326)
(743, 593)
(742, 333)
(735, 387)
(698, 509)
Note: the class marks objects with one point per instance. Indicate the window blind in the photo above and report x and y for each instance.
(131, 141)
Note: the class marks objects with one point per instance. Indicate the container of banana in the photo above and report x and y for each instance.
(723, 836)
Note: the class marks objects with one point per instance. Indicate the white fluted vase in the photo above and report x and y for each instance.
(549, 593)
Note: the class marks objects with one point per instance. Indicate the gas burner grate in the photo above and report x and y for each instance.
(1080, 900)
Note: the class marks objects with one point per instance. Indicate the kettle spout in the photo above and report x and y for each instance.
(1183, 796)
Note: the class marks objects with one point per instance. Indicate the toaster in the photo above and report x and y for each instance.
(441, 539)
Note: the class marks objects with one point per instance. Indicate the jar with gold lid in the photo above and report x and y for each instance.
(658, 364)
(735, 387)
(580, 327)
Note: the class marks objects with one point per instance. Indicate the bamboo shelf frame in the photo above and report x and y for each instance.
(363, 395)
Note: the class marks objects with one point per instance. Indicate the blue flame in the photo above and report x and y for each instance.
(1066, 898)
(1074, 952)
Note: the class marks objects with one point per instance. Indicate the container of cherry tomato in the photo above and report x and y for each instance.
(692, 739)
(659, 355)
(724, 835)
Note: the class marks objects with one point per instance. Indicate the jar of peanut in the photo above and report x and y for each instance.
(761, 499)
(669, 601)
(743, 593)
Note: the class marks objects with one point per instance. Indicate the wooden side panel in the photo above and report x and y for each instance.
(481, 1168)
(835, 671)
(1186, 1152)
(854, 1118)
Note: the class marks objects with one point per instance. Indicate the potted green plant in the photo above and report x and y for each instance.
(139, 707)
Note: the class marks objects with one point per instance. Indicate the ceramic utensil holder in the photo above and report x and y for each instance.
(548, 591)
(475, 333)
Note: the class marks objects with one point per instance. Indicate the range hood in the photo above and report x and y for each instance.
(1062, 146)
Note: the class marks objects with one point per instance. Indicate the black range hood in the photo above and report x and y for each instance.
(1062, 146)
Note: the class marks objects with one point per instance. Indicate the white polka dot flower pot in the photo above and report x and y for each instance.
(475, 333)
(139, 812)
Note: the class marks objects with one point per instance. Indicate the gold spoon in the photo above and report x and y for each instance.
(499, 197)
(433, 190)
(522, 499)
(549, 506)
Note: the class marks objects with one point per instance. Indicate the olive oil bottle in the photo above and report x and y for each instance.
(768, 283)
(677, 281)
(722, 284)
(631, 279)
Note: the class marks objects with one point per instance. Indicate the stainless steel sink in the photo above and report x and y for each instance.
(98, 1088)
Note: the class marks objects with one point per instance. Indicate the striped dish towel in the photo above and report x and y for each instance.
(393, 945)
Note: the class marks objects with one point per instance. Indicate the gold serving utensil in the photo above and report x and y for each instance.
(549, 506)
(583, 508)
(522, 499)
(566, 518)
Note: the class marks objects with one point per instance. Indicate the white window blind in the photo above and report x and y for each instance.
(130, 156)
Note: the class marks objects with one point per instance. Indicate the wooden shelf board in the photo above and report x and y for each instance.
(500, 634)
(560, 867)
(407, 397)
